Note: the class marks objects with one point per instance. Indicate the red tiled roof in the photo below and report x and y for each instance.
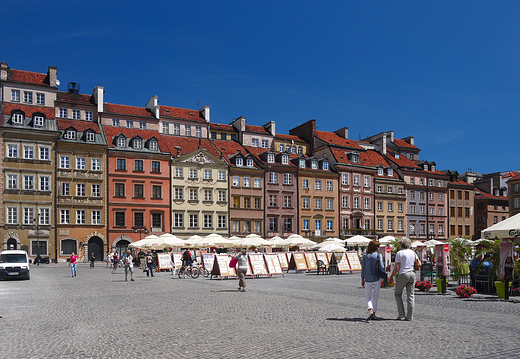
(180, 113)
(230, 148)
(188, 145)
(336, 140)
(127, 110)
(514, 178)
(70, 97)
(510, 174)
(79, 125)
(402, 161)
(28, 77)
(288, 137)
(257, 129)
(484, 195)
(461, 182)
(222, 127)
(403, 143)
(28, 109)
(112, 132)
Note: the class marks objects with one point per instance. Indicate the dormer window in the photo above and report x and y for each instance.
(302, 163)
(390, 172)
(38, 121)
(71, 135)
(285, 159)
(240, 162)
(293, 149)
(354, 157)
(426, 167)
(17, 118)
(380, 171)
(90, 136)
(154, 145)
(300, 149)
(433, 168)
(314, 165)
(138, 143)
(270, 158)
(288, 148)
(396, 156)
(121, 142)
(326, 165)
(250, 162)
(281, 147)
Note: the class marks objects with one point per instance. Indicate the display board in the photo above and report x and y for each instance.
(257, 263)
(164, 262)
(342, 262)
(353, 260)
(297, 262)
(176, 258)
(310, 258)
(284, 263)
(208, 260)
(221, 267)
(272, 262)
(322, 256)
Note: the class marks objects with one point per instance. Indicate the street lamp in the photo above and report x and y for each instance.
(141, 230)
(37, 221)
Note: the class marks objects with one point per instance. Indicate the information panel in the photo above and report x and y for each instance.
(176, 258)
(257, 264)
(273, 264)
(342, 262)
(298, 262)
(282, 257)
(353, 260)
(310, 257)
(322, 256)
(163, 259)
(221, 267)
(208, 260)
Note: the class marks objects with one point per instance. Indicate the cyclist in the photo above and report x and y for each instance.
(187, 260)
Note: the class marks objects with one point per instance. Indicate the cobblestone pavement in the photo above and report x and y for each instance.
(99, 315)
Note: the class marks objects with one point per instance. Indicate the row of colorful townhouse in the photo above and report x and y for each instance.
(83, 175)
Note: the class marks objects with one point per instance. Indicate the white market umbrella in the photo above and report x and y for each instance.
(332, 247)
(171, 240)
(214, 240)
(357, 240)
(387, 239)
(143, 242)
(192, 241)
(279, 242)
(253, 240)
(329, 241)
(416, 244)
(432, 243)
(299, 241)
(508, 228)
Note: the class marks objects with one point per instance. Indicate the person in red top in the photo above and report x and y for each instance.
(73, 263)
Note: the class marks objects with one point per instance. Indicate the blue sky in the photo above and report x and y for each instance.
(446, 72)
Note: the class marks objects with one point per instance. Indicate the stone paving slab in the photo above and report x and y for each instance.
(99, 315)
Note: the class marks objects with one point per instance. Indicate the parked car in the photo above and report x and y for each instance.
(14, 264)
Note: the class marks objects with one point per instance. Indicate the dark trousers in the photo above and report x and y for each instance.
(150, 268)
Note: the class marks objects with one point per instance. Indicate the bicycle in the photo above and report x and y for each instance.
(203, 271)
(190, 271)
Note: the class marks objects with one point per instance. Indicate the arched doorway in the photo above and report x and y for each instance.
(122, 246)
(12, 243)
(95, 245)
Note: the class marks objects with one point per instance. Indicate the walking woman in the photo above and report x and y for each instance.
(241, 269)
(404, 267)
(370, 278)
(73, 263)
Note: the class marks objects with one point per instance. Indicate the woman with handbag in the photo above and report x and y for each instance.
(241, 268)
(371, 266)
(405, 263)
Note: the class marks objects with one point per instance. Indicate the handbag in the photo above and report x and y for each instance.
(233, 263)
(417, 263)
(380, 272)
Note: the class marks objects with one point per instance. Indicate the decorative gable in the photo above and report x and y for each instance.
(201, 159)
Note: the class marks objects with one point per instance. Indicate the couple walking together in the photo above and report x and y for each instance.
(405, 270)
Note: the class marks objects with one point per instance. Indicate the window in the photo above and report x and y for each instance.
(15, 95)
(156, 167)
(221, 221)
(325, 165)
(466, 212)
(119, 190)
(12, 181)
(80, 216)
(193, 194)
(64, 216)
(302, 163)
(236, 181)
(247, 202)
(273, 177)
(129, 124)
(344, 179)
(239, 161)
(356, 180)
(28, 152)
(441, 211)
(76, 114)
(273, 224)
(281, 147)
(193, 173)
(305, 183)
(198, 131)
(96, 217)
(390, 172)
(96, 190)
(390, 189)
(421, 181)
(305, 226)
(367, 203)
(138, 191)
(178, 172)
(430, 182)
(421, 196)
(317, 184)
(287, 224)
(96, 164)
(63, 113)
(258, 182)
(12, 150)
(366, 180)
(187, 130)
(250, 162)
(121, 142)
(317, 224)
(176, 129)
(287, 201)
(390, 206)
(314, 164)
(247, 181)
(208, 221)
(273, 200)
(379, 224)
(65, 162)
(265, 144)
(236, 201)
(65, 189)
(440, 185)
(81, 190)
(17, 118)
(89, 116)
(379, 206)
(344, 201)
(285, 160)
(28, 215)
(330, 186)
(207, 174)
(270, 158)
(138, 165)
(317, 203)
(27, 97)
(165, 128)
(178, 220)
(115, 122)
(432, 196)
(121, 164)
(45, 183)
(412, 194)
(400, 225)
(400, 190)
(330, 204)
(178, 193)
(367, 223)
(71, 135)
(38, 121)
(80, 163)
(305, 203)
(255, 142)
(432, 211)
(120, 220)
(208, 195)
(194, 220)
(422, 210)
(400, 207)
(90, 136)
(258, 203)
(412, 209)
(40, 99)
(390, 224)
(222, 195)
(300, 149)
(138, 143)
(12, 215)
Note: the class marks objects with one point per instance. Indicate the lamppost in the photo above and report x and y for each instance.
(37, 221)
(140, 230)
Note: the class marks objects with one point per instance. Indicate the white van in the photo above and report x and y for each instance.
(14, 264)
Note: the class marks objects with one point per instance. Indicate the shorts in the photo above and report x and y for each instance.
(128, 269)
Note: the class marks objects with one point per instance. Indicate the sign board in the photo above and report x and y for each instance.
(282, 257)
(297, 262)
(273, 264)
(208, 260)
(506, 260)
(164, 261)
(353, 260)
(310, 257)
(342, 262)
(221, 267)
(386, 255)
(442, 257)
(322, 256)
(176, 258)
(257, 264)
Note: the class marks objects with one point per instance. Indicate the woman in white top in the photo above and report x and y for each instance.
(404, 267)
(241, 269)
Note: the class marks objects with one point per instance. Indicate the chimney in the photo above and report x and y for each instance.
(52, 74)
(410, 140)
(383, 145)
(98, 93)
(205, 113)
(271, 127)
(342, 132)
(4, 68)
(153, 105)
(179, 149)
(239, 123)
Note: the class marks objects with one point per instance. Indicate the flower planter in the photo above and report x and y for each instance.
(438, 282)
(501, 288)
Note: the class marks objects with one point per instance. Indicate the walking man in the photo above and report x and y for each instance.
(129, 266)
(149, 263)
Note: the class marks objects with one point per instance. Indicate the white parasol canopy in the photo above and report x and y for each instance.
(387, 239)
(432, 243)
(416, 244)
(192, 241)
(299, 241)
(508, 228)
(143, 242)
(279, 242)
(333, 247)
(253, 240)
(357, 240)
(214, 240)
(328, 241)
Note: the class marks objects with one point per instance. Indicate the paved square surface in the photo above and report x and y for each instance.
(99, 315)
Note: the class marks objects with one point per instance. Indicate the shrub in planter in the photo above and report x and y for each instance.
(465, 291)
(516, 292)
(423, 286)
